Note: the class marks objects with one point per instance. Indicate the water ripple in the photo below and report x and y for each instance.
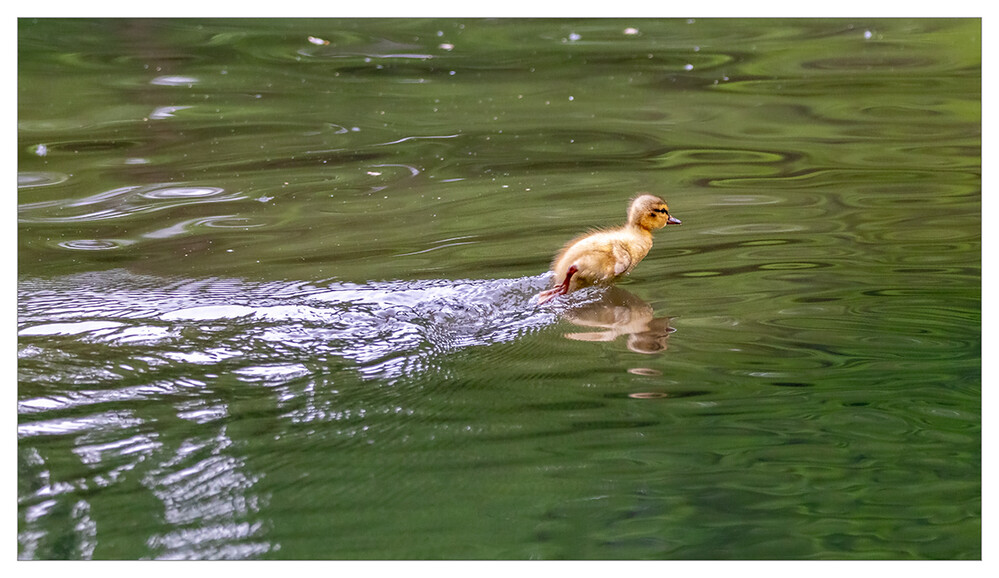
(122, 202)
(388, 329)
(27, 180)
(94, 244)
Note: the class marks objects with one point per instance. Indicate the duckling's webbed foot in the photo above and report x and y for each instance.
(560, 289)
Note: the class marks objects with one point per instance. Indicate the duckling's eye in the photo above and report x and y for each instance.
(660, 211)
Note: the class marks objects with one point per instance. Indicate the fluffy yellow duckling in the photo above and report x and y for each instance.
(601, 257)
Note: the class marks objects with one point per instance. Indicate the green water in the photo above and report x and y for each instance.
(276, 279)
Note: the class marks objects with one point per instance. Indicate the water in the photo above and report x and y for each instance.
(276, 279)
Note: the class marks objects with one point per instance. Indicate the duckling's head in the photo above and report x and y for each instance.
(650, 212)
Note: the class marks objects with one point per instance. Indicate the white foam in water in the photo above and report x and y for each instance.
(387, 328)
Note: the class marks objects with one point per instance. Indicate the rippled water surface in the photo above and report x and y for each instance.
(276, 290)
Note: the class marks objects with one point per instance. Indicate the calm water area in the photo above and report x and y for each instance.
(276, 289)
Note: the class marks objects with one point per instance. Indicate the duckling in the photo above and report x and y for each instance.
(601, 257)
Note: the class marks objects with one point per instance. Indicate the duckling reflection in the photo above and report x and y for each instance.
(620, 312)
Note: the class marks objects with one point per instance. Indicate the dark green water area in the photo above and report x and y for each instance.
(276, 289)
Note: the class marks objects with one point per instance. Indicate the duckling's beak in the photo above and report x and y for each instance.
(673, 220)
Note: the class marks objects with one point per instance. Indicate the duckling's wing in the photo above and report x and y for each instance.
(622, 260)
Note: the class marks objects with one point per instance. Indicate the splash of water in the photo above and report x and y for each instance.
(387, 329)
